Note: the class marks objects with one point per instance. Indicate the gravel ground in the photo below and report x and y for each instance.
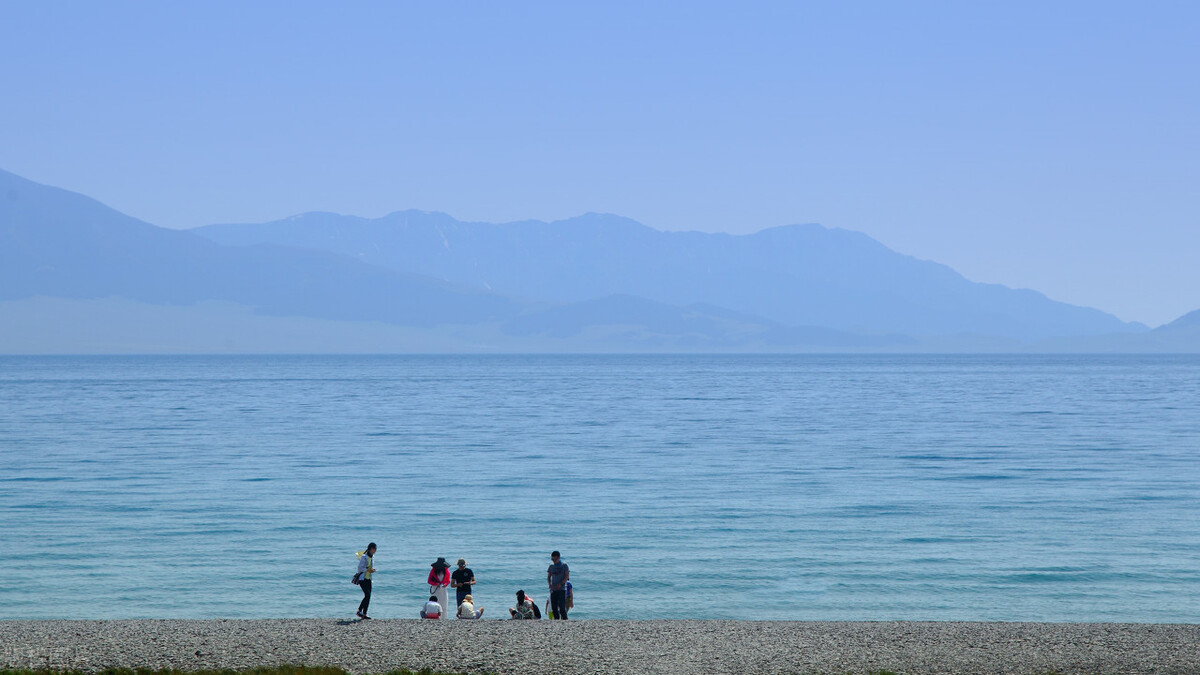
(562, 648)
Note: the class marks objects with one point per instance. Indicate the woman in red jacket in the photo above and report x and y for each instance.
(439, 579)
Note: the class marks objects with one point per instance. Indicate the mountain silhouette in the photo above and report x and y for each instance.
(57, 243)
(628, 320)
(71, 267)
(798, 275)
(1187, 322)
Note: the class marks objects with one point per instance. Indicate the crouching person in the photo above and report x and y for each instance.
(525, 607)
(432, 609)
(467, 609)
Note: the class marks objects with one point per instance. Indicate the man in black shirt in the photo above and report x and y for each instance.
(461, 581)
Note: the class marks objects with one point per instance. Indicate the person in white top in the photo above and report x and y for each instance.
(365, 570)
(467, 609)
(432, 609)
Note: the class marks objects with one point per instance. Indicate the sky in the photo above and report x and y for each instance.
(1044, 145)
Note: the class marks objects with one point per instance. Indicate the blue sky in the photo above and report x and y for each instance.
(1044, 145)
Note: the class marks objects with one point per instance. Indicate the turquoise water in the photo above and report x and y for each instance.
(759, 487)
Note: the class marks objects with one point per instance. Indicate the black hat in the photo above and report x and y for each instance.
(440, 563)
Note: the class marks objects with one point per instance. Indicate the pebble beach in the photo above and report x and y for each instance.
(599, 646)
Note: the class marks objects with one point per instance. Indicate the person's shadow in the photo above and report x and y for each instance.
(348, 622)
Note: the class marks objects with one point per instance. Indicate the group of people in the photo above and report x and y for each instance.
(460, 580)
(558, 578)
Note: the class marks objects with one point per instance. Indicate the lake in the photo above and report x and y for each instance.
(1042, 488)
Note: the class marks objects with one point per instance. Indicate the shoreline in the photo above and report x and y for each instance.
(605, 646)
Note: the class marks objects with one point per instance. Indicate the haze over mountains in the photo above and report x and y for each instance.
(795, 275)
(76, 275)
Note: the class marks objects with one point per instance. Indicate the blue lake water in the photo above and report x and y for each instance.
(1050, 488)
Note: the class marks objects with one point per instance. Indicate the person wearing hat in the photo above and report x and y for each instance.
(439, 579)
(466, 609)
(461, 581)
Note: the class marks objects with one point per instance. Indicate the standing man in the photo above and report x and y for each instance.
(557, 575)
(461, 581)
(365, 570)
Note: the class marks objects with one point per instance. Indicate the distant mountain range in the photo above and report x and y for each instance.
(800, 275)
(70, 266)
(61, 244)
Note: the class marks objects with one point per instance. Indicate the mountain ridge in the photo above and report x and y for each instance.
(803, 274)
(592, 282)
(57, 243)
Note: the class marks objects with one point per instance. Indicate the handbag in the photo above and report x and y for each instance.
(355, 580)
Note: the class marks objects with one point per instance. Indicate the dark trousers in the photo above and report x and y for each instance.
(460, 594)
(558, 603)
(365, 584)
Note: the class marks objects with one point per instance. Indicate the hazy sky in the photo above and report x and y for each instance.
(1053, 146)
